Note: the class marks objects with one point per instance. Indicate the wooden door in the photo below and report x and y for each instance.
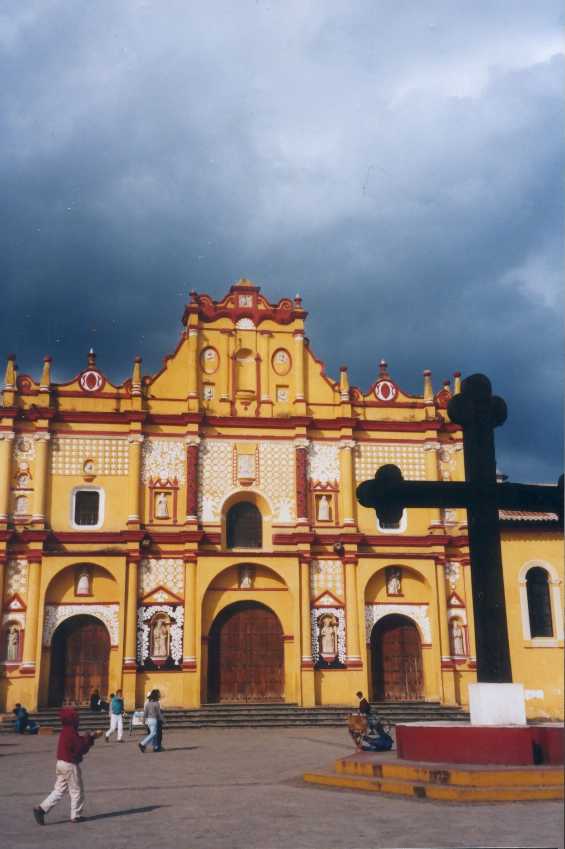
(247, 656)
(397, 659)
(80, 658)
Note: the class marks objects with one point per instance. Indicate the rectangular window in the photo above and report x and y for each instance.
(87, 507)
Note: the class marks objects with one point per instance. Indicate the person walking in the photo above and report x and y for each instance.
(116, 717)
(71, 749)
(152, 714)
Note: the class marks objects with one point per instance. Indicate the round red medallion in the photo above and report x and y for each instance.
(385, 390)
(91, 381)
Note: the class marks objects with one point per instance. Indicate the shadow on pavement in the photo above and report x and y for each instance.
(144, 810)
(179, 748)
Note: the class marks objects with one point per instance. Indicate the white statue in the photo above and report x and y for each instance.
(393, 586)
(13, 643)
(83, 583)
(328, 637)
(245, 465)
(208, 393)
(21, 504)
(457, 638)
(324, 509)
(161, 506)
(246, 576)
(160, 639)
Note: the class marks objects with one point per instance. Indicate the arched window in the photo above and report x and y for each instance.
(244, 526)
(539, 604)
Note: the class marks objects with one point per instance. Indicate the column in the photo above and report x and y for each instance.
(130, 632)
(447, 689)
(32, 616)
(6, 441)
(190, 605)
(431, 449)
(192, 478)
(299, 366)
(301, 446)
(192, 393)
(351, 615)
(226, 366)
(40, 476)
(347, 487)
(265, 350)
(135, 441)
(3, 568)
(306, 661)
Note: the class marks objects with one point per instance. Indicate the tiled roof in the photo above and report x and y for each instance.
(527, 516)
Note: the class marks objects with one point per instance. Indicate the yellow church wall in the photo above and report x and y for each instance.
(537, 662)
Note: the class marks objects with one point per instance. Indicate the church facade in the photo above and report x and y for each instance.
(197, 530)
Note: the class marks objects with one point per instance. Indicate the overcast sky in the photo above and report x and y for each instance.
(397, 163)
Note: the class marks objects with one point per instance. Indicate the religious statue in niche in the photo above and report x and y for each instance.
(208, 392)
(23, 476)
(246, 466)
(84, 581)
(457, 636)
(327, 636)
(89, 468)
(209, 360)
(393, 581)
(324, 511)
(160, 637)
(162, 505)
(21, 505)
(282, 394)
(245, 300)
(246, 577)
(12, 652)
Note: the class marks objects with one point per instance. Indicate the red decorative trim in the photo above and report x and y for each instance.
(192, 481)
(166, 486)
(307, 664)
(208, 310)
(189, 665)
(288, 638)
(160, 588)
(130, 666)
(455, 600)
(318, 603)
(28, 670)
(301, 484)
(8, 601)
(354, 664)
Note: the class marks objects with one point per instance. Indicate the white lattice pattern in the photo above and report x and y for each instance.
(57, 613)
(417, 612)
(316, 614)
(164, 459)
(69, 454)
(277, 464)
(167, 573)
(16, 578)
(275, 476)
(326, 575)
(410, 459)
(145, 614)
(323, 462)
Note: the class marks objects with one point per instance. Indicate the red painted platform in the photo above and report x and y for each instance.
(458, 743)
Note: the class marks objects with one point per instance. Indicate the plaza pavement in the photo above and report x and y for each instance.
(241, 789)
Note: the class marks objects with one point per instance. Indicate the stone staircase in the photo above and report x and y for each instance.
(263, 716)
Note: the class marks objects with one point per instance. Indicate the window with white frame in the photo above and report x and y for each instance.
(540, 601)
(393, 527)
(87, 507)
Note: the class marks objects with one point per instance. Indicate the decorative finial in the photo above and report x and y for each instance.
(45, 375)
(383, 368)
(456, 382)
(91, 358)
(428, 388)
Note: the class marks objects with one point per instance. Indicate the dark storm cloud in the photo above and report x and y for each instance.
(398, 164)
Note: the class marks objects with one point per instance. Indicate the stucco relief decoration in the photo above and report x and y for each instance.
(174, 615)
(105, 456)
(163, 459)
(281, 362)
(328, 623)
(57, 613)
(326, 575)
(16, 578)
(452, 571)
(209, 360)
(417, 612)
(275, 467)
(245, 324)
(24, 449)
(410, 459)
(446, 459)
(167, 573)
(323, 462)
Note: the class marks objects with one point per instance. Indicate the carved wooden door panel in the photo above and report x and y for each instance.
(251, 657)
(397, 659)
(79, 661)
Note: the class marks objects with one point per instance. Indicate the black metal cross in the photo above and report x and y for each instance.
(478, 412)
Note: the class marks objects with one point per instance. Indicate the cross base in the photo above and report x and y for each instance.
(497, 704)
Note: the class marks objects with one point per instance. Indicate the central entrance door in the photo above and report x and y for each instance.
(246, 655)
(397, 659)
(80, 654)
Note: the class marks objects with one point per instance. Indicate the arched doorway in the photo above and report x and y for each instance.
(80, 654)
(246, 655)
(396, 659)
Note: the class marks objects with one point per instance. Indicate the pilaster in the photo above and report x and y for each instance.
(192, 393)
(6, 443)
(306, 660)
(29, 655)
(130, 648)
(347, 484)
(298, 370)
(41, 438)
(135, 444)
(192, 482)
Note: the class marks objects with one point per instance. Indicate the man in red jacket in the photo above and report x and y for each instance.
(68, 777)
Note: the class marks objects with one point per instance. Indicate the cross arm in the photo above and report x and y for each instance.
(388, 493)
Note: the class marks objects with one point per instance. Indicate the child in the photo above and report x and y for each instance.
(116, 720)
(68, 777)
